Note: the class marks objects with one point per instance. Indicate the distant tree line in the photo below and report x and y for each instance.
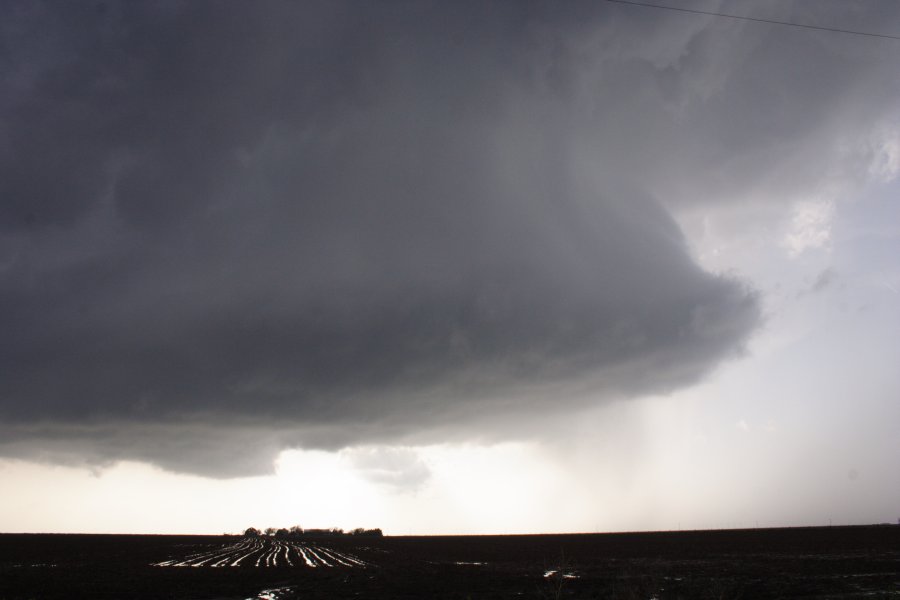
(297, 531)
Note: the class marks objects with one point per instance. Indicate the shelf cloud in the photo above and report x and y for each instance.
(229, 230)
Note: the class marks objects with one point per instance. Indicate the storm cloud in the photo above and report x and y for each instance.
(230, 229)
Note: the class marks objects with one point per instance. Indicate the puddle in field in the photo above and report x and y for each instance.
(273, 594)
(554, 573)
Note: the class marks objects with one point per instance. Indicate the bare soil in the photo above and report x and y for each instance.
(814, 563)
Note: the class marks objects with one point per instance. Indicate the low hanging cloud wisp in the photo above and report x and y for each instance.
(228, 232)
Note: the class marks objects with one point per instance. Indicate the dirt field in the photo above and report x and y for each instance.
(838, 562)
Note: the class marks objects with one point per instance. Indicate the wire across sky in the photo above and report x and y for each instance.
(755, 19)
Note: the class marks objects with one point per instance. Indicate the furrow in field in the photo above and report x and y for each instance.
(275, 551)
(355, 560)
(228, 557)
(190, 558)
(215, 555)
(252, 550)
(333, 556)
(306, 558)
(349, 557)
(317, 557)
(298, 557)
(197, 554)
(287, 555)
(189, 562)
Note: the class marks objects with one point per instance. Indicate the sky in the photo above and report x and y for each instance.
(448, 268)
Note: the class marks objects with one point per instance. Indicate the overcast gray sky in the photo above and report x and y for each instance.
(635, 261)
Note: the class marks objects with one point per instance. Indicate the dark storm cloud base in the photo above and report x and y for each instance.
(318, 216)
(348, 222)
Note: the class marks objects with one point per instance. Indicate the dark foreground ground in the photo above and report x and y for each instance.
(838, 562)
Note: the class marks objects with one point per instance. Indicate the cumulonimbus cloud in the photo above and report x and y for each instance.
(229, 231)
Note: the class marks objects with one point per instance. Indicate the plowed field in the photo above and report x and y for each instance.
(264, 552)
(813, 563)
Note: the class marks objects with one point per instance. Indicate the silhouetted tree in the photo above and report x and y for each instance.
(367, 532)
(297, 531)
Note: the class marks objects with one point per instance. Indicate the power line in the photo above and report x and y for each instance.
(743, 18)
